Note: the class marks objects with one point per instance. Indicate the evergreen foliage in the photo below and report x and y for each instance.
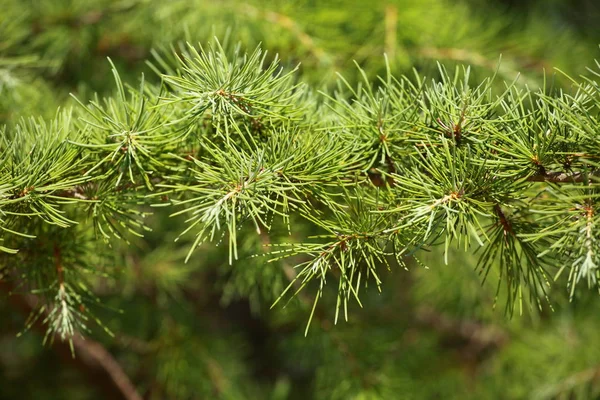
(324, 198)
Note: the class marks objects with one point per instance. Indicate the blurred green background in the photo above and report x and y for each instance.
(204, 330)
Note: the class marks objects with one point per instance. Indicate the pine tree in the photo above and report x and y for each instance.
(151, 215)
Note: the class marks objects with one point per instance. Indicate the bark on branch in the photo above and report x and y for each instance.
(92, 359)
(563, 177)
(478, 337)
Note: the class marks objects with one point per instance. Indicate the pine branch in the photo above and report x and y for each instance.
(379, 170)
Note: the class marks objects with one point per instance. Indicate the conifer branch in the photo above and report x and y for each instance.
(231, 141)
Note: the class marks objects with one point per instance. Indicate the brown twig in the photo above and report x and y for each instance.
(92, 358)
(506, 225)
(478, 337)
(563, 177)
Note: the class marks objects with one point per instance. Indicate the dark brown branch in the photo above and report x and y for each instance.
(92, 358)
(506, 225)
(478, 337)
(563, 177)
(97, 357)
(59, 268)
